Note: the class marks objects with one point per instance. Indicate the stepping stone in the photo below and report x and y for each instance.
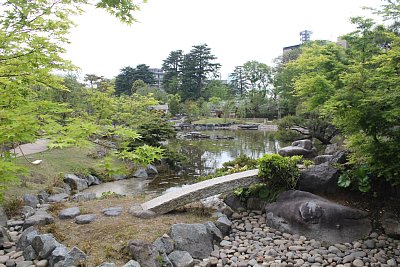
(69, 213)
(58, 197)
(114, 211)
(85, 219)
(84, 196)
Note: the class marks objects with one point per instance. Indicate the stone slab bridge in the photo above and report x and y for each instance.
(188, 194)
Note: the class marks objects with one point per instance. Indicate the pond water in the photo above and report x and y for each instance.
(204, 156)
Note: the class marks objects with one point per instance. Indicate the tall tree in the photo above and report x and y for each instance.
(258, 74)
(172, 67)
(128, 75)
(239, 83)
(198, 66)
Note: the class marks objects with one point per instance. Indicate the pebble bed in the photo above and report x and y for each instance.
(253, 243)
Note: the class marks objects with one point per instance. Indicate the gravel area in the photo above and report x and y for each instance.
(253, 243)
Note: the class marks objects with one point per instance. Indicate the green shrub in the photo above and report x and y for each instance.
(279, 172)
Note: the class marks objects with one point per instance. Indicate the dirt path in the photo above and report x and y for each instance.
(31, 148)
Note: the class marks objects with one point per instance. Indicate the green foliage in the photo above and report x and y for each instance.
(187, 74)
(125, 81)
(33, 36)
(259, 190)
(358, 176)
(110, 167)
(142, 155)
(174, 104)
(307, 125)
(279, 172)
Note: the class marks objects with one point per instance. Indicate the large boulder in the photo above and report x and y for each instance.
(303, 213)
(44, 245)
(320, 178)
(146, 254)
(391, 224)
(193, 238)
(299, 148)
(75, 182)
(26, 238)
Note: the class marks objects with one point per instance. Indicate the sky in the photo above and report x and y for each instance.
(237, 31)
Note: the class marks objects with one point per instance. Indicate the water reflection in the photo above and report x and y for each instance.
(203, 157)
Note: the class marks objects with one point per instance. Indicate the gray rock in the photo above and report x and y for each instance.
(358, 263)
(30, 200)
(290, 151)
(181, 259)
(44, 245)
(92, 180)
(391, 224)
(4, 236)
(112, 212)
(85, 219)
(69, 213)
(215, 232)
(14, 223)
(58, 255)
(75, 182)
(26, 238)
(24, 263)
(27, 211)
(255, 203)
(164, 244)
(224, 225)
(84, 196)
(118, 177)
(29, 253)
(141, 173)
(58, 198)
(370, 243)
(137, 211)
(151, 170)
(3, 217)
(320, 178)
(74, 257)
(40, 218)
(107, 264)
(146, 254)
(43, 196)
(322, 159)
(193, 238)
(306, 214)
(331, 148)
(42, 263)
(234, 202)
(305, 143)
(132, 263)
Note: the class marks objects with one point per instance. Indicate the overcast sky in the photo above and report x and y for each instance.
(236, 31)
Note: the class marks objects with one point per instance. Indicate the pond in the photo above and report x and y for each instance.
(204, 156)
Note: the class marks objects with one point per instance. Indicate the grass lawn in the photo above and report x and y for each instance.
(218, 120)
(55, 162)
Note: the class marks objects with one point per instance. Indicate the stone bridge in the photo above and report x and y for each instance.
(188, 194)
